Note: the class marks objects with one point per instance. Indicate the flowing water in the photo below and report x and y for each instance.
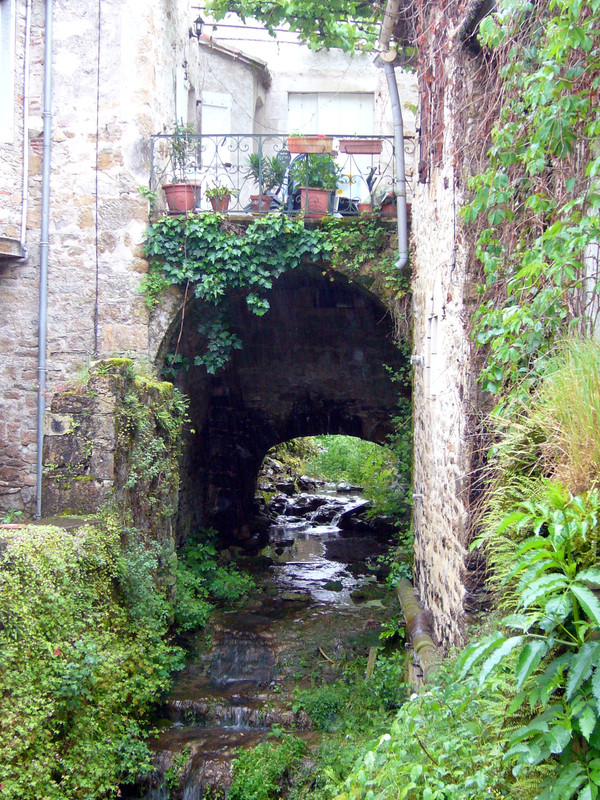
(305, 616)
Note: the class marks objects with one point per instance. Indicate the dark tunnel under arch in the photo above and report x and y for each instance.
(320, 361)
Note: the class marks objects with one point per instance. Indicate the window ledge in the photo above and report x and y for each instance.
(10, 248)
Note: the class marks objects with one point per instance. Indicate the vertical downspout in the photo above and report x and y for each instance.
(24, 184)
(400, 187)
(44, 245)
(387, 55)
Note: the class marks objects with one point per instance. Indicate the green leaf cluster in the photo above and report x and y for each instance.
(214, 259)
(262, 773)
(537, 204)
(202, 582)
(444, 743)
(346, 24)
(83, 657)
(553, 638)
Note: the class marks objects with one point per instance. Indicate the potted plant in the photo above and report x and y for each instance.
(268, 173)
(181, 193)
(316, 176)
(310, 144)
(220, 197)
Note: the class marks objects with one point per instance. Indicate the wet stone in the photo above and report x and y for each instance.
(312, 607)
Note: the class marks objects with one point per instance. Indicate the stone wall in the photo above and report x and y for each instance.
(444, 297)
(115, 68)
(116, 436)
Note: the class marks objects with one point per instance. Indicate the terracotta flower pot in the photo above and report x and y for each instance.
(317, 204)
(220, 203)
(365, 208)
(310, 144)
(260, 203)
(181, 197)
(361, 146)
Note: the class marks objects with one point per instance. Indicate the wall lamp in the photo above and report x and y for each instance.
(196, 29)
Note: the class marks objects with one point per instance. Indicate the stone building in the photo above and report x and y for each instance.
(117, 72)
(124, 70)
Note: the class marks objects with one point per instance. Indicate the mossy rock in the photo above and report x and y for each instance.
(368, 591)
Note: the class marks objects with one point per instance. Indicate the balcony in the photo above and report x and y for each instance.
(257, 174)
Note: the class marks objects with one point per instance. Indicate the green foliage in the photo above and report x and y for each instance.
(554, 636)
(267, 172)
(150, 419)
(215, 259)
(261, 773)
(219, 192)
(373, 467)
(201, 582)
(354, 704)
(347, 24)
(83, 657)
(11, 516)
(361, 243)
(182, 150)
(323, 704)
(566, 409)
(317, 170)
(150, 196)
(538, 201)
(443, 743)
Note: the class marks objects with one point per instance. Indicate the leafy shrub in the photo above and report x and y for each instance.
(353, 702)
(260, 773)
(558, 653)
(80, 664)
(443, 743)
(201, 583)
(323, 704)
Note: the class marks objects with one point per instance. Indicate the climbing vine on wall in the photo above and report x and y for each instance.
(150, 419)
(537, 204)
(214, 257)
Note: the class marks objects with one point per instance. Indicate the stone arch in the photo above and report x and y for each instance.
(316, 363)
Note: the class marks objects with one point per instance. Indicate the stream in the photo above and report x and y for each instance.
(318, 599)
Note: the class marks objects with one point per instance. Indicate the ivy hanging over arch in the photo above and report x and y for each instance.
(214, 257)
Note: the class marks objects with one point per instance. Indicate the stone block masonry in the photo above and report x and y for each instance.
(113, 68)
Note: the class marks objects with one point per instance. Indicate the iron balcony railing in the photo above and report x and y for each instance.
(263, 173)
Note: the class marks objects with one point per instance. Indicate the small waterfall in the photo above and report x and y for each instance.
(234, 695)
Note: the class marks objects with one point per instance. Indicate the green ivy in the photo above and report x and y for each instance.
(215, 257)
(360, 243)
(537, 204)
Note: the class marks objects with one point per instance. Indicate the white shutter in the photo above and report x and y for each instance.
(303, 112)
(348, 113)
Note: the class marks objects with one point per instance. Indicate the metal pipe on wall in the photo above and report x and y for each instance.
(400, 187)
(44, 247)
(387, 56)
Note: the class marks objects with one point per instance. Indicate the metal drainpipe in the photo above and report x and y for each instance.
(400, 187)
(24, 192)
(44, 245)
